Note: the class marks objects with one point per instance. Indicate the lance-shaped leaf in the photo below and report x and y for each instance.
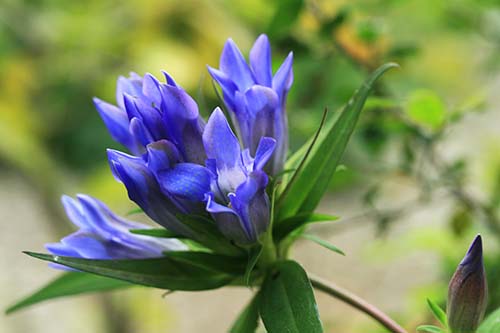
(248, 320)
(164, 273)
(287, 301)
(286, 226)
(491, 324)
(70, 283)
(304, 191)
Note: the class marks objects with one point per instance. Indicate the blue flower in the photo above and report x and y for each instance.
(161, 188)
(237, 200)
(104, 235)
(149, 111)
(255, 97)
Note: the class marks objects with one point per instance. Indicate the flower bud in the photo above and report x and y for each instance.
(468, 291)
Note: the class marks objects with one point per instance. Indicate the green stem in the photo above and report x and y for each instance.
(357, 302)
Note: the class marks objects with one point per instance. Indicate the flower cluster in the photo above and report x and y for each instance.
(179, 164)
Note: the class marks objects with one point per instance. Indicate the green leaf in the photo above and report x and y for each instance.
(430, 329)
(323, 243)
(439, 313)
(287, 301)
(285, 15)
(210, 261)
(207, 234)
(134, 211)
(67, 284)
(426, 109)
(248, 320)
(159, 232)
(164, 273)
(307, 186)
(491, 324)
(288, 225)
(253, 257)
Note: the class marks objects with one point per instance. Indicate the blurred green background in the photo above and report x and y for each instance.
(421, 176)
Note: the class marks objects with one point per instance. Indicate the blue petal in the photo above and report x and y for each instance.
(264, 152)
(117, 122)
(144, 190)
(283, 79)
(234, 65)
(87, 245)
(141, 132)
(162, 155)
(74, 212)
(260, 61)
(220, 142)
(228, 223)
(186, 180)
(151, 89)
(150, 117)
(227, 85)
(131, 86)
(60, 249)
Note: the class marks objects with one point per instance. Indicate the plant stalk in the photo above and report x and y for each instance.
(355, 301)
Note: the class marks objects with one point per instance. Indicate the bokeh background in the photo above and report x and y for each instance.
(421, 175)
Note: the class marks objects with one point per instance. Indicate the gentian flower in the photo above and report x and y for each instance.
(468, 291)
(238, 200)
(255, 97)
(149, 111)
(104, 235)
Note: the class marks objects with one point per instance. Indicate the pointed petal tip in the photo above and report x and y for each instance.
(475, 252)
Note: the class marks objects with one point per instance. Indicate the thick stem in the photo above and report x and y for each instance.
(357, 302)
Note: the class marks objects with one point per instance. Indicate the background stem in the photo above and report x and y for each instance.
(355, 301)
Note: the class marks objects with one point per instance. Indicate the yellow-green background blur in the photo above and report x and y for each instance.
(402, 235)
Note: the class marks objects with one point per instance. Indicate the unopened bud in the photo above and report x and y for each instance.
(468, 291)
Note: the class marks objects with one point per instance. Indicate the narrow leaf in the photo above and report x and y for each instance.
(67, 284)
(248, 320)
(438, 312)
(253, 258)
(307, 187)
(160, 232)
(210, 261)
(164, 273)
(430, 329)
(287, 301)
(491, 324)
(323, 243)
(288, 225)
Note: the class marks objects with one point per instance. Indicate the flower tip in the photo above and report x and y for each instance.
(475, 252)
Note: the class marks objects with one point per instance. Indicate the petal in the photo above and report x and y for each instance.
(140, 131)
(131, 86)
(227, 85)
(151, 89)
(260, 60)
(220, 142)
(162, 155)
(144, 190)
(117, 123)
(74, 211)
(60, 249)
(187, 180)
(283, 79)
(227, 221)
(258, 98)
(264, 152)
(233, 64)
(150, 117)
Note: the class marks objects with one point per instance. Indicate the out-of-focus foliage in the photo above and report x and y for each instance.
(55, 55)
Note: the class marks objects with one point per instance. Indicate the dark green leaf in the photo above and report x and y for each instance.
(438, 312)
(253, 258)
(248, 320)
(286, 226)
(430, 329)
(287, 301)
(210, 261)
(308, 185)
(491, 324)
(207, 234)
(71, 283)
(323, 243)
(164, 273)
(160, 232)
(285, 15)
